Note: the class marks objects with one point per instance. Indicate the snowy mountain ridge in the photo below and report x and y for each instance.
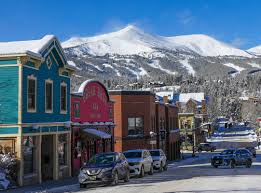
(132, 40)
(133, 53)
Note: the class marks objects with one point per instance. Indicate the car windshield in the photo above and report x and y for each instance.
(227, 152)
(154, 153)
(133, 154)
(102, 159)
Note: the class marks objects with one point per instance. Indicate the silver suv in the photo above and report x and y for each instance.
(159, 159)
(140, 162)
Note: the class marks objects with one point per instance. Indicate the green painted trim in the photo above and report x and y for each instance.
(9, 130)
(13, 61)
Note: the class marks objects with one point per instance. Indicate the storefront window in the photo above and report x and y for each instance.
(77, 110)
(62, 149)
(135, 126)
(29, 153)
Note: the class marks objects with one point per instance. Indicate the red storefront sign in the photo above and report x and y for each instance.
(92, 103)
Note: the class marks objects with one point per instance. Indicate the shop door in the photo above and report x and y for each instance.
(47, 157)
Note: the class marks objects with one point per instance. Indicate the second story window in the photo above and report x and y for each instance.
(48, 96)
(135, 126)
(76, 110)
(31, 94)
(63, 99)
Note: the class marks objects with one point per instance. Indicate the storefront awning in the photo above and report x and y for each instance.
(97, 133)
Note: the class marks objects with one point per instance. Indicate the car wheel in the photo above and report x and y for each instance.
(82, 185)
(199, 150)
(127, 177)
(248, 164)
(215, 166)
(142, 172)
(232, 164)
(165, 167)
(161, 167)
(151, 170)
(116, 178)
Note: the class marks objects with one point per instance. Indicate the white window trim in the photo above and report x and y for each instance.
(48, 81)
(63, 111)
(32, 77)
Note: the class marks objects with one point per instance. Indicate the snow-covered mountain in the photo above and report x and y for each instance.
(132, 53)
(132, 40)
(255, 50)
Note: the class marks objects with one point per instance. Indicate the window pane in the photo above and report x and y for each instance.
(31, 94)
(77, 110)
(63, 98)
(139, 122)
(49, 95)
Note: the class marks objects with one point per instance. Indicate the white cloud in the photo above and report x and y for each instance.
(239, 42)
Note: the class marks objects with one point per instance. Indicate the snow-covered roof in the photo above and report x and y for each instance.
(185, 97)
(32, 47)
(169, 94)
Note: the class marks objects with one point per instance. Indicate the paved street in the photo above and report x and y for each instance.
(187, 176)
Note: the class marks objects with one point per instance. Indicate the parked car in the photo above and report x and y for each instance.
(107, 168)
(252, 150)
(159, 159)
(140, 162)
(206, 147)
(232, 158)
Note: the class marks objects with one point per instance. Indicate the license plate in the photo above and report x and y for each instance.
(92, 177)
(217, 162)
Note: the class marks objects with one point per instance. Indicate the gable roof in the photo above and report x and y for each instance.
(33, 48)
(30, 47)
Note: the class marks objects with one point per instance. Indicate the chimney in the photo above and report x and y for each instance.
(165, 99)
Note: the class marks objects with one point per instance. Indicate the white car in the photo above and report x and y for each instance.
(140, 162)
(159, 159)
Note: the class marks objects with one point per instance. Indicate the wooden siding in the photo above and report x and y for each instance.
(8, 95)
(43, 74)
(5, 62)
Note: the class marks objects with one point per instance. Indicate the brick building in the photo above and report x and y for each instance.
(134, 116)
(137, 116)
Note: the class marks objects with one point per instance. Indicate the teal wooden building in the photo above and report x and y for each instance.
(35, 108)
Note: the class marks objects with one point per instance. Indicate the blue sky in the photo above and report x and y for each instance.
(233, 21)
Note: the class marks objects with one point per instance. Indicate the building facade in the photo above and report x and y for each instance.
(135, 119)
(92, 122)
(142, 123)
(35, 108)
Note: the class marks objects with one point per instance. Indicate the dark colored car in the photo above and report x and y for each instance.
(105, 168)
(252, 150)
(206, 147)
(232, 158)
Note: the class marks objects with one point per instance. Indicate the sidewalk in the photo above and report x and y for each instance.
(44, 186)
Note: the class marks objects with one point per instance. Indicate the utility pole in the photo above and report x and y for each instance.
(194, 139)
